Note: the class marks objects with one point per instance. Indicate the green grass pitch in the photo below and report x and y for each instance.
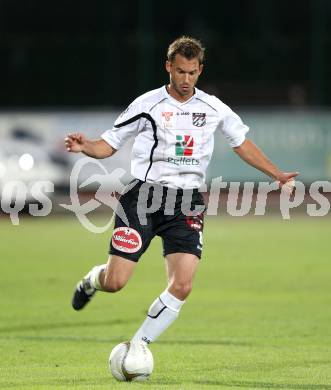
(259, 316)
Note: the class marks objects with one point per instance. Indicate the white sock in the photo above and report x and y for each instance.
(94, 274)
(162, 313)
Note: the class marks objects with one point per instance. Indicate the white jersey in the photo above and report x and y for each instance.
(174, 140)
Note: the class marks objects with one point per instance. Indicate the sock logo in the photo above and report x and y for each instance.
(126, 240)
(145, 339)
(184, 145)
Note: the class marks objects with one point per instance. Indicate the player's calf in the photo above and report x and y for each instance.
(116, 274)
(111, 282)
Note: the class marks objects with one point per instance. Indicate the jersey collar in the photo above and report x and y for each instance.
(178, 103)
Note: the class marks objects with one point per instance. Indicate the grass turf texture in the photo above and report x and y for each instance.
(258, 318)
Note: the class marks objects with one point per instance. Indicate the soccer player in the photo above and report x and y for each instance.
(173, 127)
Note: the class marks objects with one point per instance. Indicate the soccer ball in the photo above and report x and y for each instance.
(134, 366)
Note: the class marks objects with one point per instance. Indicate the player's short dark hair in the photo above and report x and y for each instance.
(187, 47)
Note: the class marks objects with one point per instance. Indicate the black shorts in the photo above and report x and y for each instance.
(181, 231)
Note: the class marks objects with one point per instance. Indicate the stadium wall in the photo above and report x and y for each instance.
(295, 140)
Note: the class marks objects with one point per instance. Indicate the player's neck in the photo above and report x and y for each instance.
(174, 94)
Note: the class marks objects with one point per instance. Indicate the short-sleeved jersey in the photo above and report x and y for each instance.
(174, 141)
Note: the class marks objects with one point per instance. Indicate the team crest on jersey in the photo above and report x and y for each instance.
(199, 119)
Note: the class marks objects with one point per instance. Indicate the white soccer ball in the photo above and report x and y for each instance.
(130, 361)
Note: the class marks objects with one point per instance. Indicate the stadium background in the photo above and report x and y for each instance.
(267, 60)
(75, 66)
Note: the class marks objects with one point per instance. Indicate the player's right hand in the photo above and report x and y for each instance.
(75, 142)
(287, 182)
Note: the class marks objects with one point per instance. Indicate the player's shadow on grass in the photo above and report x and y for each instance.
(39, 327)
(58, 325)
(206, 342)
(120, 338)
(265, 385)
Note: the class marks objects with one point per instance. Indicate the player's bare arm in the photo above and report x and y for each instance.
(78, 143)
(251, 154)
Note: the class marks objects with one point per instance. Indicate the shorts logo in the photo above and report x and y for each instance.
(184, 145)
(199, 119)
(195, 222)
(126, 240)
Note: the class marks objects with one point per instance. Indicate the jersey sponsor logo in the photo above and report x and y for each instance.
(199, 119)
(183, 161)
(184, 145)
(126, 240)
(183, 113)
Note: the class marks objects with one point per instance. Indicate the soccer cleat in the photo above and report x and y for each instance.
(83, 294)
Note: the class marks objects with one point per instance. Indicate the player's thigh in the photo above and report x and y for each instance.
(130, 238)
(181, 268)
(117, 273)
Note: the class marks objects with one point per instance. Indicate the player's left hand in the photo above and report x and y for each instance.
(287, 182)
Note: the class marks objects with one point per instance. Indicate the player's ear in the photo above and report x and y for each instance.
(168, 66)
(200, 69)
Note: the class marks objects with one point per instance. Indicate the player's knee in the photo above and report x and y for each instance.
(181, 290)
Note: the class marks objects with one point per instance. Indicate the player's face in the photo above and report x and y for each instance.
(184, 75)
